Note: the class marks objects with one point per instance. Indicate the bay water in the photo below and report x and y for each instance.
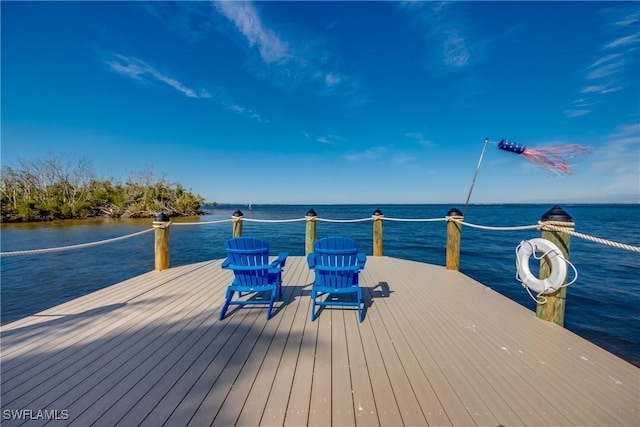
(603, 305)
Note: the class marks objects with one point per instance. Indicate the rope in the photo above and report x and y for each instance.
(68, 248)
(546, 226)
(343, 220)
(203, 222)
(274, 220)
(415, 219)
(486, 227)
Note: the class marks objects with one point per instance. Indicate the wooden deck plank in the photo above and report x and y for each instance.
(482, 347)
(87, 381)
(386, 405)
(56, 368)
(254, 409)
(300, 396)
(436, 347)
(275, 410)
(341, 382)
(412, 363)
(217, 346)
(320, 405)
(363, 401)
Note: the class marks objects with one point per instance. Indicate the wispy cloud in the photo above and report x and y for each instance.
(619, 160)
(291, 64)
(455, 51)
(449, 44)
(602, 89)
(580, 107)
(420, 138)
(609, 72)
(368, 154)
(139, 70)
(247, 112)
(329, 139)
(246, 19)
(400, 159)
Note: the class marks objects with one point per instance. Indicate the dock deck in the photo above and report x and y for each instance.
(435, 348)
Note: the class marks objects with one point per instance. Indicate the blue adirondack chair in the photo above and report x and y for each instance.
(253, 273)
(336, 262)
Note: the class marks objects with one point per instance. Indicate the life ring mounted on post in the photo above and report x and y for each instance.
(556, 259)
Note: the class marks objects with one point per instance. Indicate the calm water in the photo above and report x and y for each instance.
(602, 305)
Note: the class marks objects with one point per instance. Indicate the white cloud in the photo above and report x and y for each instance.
(618, 161)
(400, 159)
(329, 139)
(247, 112)
(290, 65)
(141, 71)
(605, 70)
(623, 41)
(448, 43)
(245, 17)
(369, 154)
(420, 138)
(602, 89)
(610, 72)
(455, 50)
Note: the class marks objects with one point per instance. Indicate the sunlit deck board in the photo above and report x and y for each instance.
(436, 347)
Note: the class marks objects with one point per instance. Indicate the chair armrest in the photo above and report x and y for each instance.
(362, 260)
(226, 263)
(311, 260)
(282, 259)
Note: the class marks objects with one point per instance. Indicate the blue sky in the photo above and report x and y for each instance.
(329, 102)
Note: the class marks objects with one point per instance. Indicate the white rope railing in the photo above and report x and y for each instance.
(566, 227)
(72, 247)
(545, 226)
(415, 219)
(343, 220)
(495, 228)
(203, 222)
(274, 220)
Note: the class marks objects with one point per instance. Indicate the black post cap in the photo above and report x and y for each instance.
(556, 213)
(454, 212)
(237, 213)
(162, 217)
(378, 212)
(311, 212)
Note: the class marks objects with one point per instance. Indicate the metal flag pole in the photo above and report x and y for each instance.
(486, 141)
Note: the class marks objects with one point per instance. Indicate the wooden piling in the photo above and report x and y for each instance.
(310, 235)
(161, 241)
(553, 309)
(377, 232)
(454, 230)
(237, 223)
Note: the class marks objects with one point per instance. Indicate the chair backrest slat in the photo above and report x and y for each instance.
(340, 255)
(249, 252)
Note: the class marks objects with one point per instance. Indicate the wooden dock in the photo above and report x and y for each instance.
(435, 348)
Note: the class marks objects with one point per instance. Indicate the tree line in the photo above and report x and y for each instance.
(58, 188)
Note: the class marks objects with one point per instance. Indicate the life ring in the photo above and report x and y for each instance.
(558, 274)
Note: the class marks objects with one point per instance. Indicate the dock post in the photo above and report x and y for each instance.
(161, 241)
(553, 309)
(237, 223)
(310, 235)
(377, 232)
(454, 230)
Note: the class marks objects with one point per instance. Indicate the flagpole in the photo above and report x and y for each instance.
(486, 141)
